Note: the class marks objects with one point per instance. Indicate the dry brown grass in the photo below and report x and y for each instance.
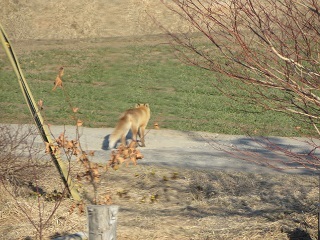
(216, 205)
(16, 209)
(76, 19)
(167, 203)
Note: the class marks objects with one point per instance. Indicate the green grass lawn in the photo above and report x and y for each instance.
(104, 79)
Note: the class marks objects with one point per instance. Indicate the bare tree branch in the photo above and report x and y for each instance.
(273, 45)
(269, 49)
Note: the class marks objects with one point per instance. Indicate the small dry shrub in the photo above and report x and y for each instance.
(19, 159)
(29, 201)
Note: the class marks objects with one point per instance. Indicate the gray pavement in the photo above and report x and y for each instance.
(199, 150)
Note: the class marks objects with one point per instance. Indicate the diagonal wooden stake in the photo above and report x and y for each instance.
(43, 129)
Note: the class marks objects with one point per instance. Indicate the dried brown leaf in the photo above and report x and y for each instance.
(61, 72)
(79, 123)
(69, 144)
(57, 83)
(40, 104)
(139, 155)
(47, 147)
(91, 153)
(156, 126)
(75, 109)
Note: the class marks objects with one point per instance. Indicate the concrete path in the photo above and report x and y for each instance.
(196, 150)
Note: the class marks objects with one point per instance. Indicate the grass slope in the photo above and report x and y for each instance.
(104, 77)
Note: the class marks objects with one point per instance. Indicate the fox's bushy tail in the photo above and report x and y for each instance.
(121, 130)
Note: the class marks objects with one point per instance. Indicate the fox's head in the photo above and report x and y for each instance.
(142, 105)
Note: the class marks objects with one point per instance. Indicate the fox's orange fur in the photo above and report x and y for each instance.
(135, 119)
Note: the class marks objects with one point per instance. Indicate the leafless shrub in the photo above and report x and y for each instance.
(19, 157)
(270, 49)
(23, 169)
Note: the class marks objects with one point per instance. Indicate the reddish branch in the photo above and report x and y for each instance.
(268, 44)
(270, 49)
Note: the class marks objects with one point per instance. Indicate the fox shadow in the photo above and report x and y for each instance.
(105, 143)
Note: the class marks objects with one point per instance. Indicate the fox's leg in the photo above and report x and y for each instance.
(123, 140)
(134, 131)
(141, 135)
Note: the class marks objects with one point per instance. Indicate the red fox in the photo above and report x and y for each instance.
(135, 118)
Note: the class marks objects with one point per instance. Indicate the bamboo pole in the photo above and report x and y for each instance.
(43, 129)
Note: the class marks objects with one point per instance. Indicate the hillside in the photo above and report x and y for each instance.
(76, 19)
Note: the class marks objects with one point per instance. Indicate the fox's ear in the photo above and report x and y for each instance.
(146, 105)
(137, 105)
